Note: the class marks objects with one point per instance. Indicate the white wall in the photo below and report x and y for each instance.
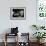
(24, 25)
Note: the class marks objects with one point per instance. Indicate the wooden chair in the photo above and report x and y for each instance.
(7, 34)
(25, 36)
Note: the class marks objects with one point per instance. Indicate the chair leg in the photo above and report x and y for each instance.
(5, 43)
(5, 40)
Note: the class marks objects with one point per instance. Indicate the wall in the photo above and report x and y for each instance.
(24, 25)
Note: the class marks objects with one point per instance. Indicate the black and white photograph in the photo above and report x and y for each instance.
(17, 13)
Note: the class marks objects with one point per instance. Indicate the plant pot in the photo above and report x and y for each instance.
(40, 40)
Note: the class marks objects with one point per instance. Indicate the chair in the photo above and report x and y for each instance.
(14, 32)
(26, 41)
(7, 35)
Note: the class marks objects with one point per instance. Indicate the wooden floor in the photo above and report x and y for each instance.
(13, 44)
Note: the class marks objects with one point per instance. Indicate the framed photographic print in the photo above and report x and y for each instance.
(17, 13)
(41, 12)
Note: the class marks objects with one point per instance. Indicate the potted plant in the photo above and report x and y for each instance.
(39, 35)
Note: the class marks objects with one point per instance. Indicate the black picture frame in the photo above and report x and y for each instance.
(17, 13)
